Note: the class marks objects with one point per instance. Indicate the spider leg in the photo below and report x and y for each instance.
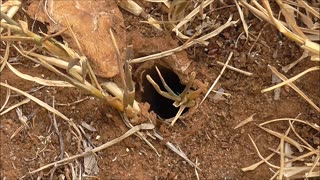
(188, 86)
(164, 83)
(162, 93)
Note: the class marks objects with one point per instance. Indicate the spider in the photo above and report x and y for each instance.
(187, 99)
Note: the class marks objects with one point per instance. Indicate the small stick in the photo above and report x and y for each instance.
(86, 136)
(47, 37)
(235, 69)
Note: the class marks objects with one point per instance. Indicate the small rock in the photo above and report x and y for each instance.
(90, 21)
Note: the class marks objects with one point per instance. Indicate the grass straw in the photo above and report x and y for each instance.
(217, 79)
(186, 45)
(315, 68)
(189, 17)
(285, 169)
(294, 87)
(36, 100)
(235, 69)
(10, 7)
(297, 34)
(286, 138)
(310, 148)
(244, 23)
(244, 122)
(6, 54)
(45, 82)
(25, 101)
(136, 9)
(261, 157)
(254, 166)
(281, 158)
(7, 98)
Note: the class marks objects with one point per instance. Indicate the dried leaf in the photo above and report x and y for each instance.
(90, 163)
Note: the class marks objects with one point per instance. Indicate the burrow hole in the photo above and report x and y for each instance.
(159, 104)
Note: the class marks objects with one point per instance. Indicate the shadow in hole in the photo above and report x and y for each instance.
(159, 104)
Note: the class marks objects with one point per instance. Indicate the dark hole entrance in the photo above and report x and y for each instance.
(159, 104)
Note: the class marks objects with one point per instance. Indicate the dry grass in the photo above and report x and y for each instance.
(303, 36)
(75, 70)
(289, 165)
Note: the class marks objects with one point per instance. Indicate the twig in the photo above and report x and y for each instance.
(235, 69)
(86, 136)
(247, 120)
